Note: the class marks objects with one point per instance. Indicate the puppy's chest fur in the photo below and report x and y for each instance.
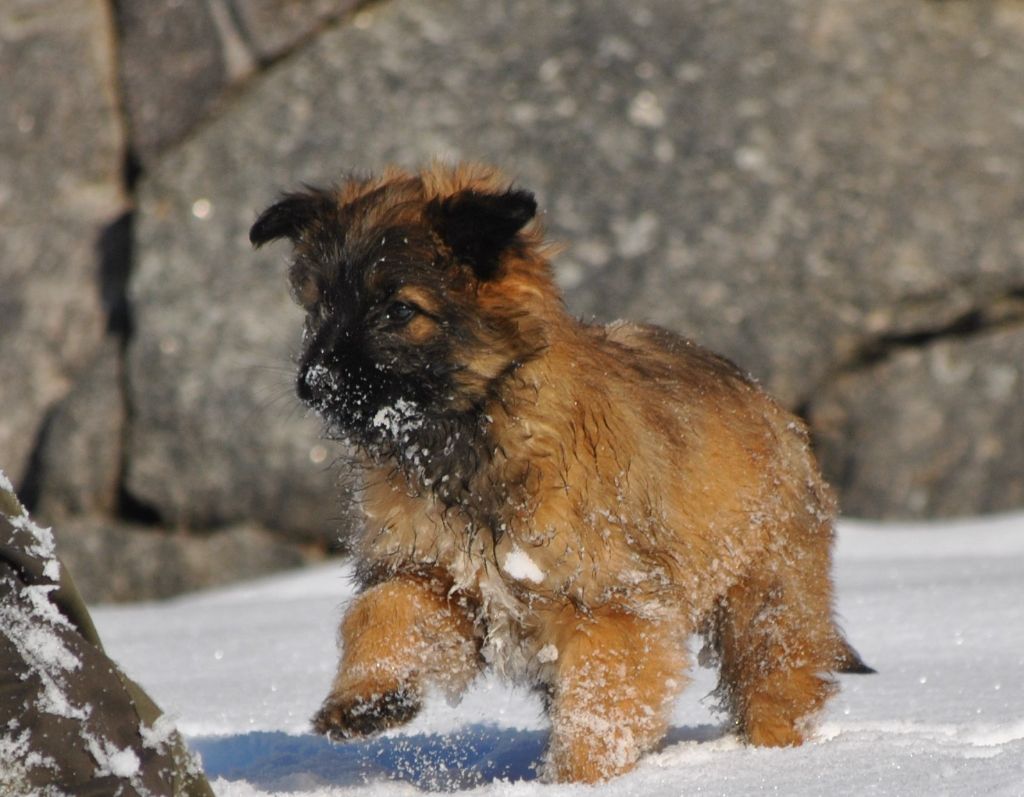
(410, 532)
(519, 562)
(601, 504)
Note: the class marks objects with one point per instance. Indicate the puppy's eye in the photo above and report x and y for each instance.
(399, 312)
(307, 292)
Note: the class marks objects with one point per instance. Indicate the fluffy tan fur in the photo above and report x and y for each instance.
(650, 491)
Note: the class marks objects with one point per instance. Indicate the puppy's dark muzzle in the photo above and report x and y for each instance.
(312, 385)
(318, 380)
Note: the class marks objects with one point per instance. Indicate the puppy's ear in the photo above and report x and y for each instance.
(289, 217)
(479, 226)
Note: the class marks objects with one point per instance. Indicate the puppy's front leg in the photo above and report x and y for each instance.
(617, 676)
(397, 637)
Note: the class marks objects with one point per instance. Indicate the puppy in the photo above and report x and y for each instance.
(565, 502)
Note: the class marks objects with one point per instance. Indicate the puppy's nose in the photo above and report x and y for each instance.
(315, 382)
(302, 388)
(316, 379)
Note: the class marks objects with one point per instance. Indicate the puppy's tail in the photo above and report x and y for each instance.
(848, 660)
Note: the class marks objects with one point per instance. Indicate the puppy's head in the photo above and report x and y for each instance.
(419, 291)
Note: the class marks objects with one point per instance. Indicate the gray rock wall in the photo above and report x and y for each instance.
(829, 192)
(62, 147)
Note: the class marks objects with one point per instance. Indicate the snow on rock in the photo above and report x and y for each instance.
(158, 736)
(41, 543)
(43, 637)
(110, 759)
(18, 759)
(31, 622)
(937, 609)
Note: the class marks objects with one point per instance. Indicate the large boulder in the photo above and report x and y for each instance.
(791, 183)
(113, 561)
(929, 430)
(175, 66)
(180, 58)
(78, 460)
(273, 27)
(60, 192)
(217, 436)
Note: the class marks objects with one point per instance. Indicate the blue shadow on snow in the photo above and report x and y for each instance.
(469, 757)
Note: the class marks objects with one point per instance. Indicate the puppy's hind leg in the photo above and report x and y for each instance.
(397, 637)
(777, 645)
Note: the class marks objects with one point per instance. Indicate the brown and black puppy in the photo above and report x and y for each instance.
(564, 502)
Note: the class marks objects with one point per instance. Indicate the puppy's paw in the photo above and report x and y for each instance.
(341, 718)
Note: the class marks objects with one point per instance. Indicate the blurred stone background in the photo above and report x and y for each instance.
(830, 192)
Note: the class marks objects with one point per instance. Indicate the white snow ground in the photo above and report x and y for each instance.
(937, 609)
